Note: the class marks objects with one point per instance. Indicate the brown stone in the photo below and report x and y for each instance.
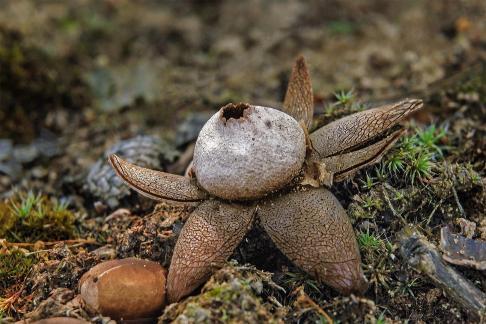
(125, 289)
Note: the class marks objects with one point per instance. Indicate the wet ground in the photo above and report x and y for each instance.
(82, 79)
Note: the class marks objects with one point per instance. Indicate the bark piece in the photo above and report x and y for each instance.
(424, 257)
(462, 251)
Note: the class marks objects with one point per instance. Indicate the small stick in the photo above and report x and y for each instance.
(456, 197)
(303, 300)
(25, 244)
(433, 212)
(394, 212)
(424, 257)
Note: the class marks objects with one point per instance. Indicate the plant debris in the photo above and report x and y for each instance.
(424, 257)
(462, 251)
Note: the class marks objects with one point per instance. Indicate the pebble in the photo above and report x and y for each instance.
(25, 153)
(128, 289)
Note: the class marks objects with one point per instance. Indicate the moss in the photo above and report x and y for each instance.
(345, 103)
(369, 242)
(231, 295)
(415, 157)
(341, 27)
(366, 206)
(14, 265)
(27, 217)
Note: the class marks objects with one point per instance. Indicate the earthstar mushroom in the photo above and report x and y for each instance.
(260, 163)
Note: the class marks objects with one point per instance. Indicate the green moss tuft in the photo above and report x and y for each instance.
(29, 217)
(416, 155)
(369, 242)
(14, 265)
(345, 104)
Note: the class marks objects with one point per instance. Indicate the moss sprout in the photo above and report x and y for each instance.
(416, 155)
(369, 241)
(345, 103)
(368, 182)
(344, 97)
(30, 217)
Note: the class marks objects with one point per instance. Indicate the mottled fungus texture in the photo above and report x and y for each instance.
(245, 152)
(312, 229)
(207, 239)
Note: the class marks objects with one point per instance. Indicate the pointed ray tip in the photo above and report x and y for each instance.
(114, 160)
(300, 62)
(411, 104)
(116, 163)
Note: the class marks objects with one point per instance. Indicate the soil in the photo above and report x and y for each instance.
(78, 77)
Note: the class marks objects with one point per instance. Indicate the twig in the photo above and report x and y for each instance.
(424, 257)
(50, 243)
(394, 212)
(456, 197)
(304, 301)
(433, 212)
(8, 303)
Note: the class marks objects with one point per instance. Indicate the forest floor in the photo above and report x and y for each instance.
(83, 78)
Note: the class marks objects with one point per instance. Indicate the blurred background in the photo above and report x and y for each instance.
(159, 60)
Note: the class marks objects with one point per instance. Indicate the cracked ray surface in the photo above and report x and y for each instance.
(345, 165)
(354, 130)
(312, 229)
(299, 99)
(157, 185)
(207, 239)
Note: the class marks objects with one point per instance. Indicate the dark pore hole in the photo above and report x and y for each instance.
(235, 111)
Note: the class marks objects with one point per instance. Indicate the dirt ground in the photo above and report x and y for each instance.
(82, 78)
